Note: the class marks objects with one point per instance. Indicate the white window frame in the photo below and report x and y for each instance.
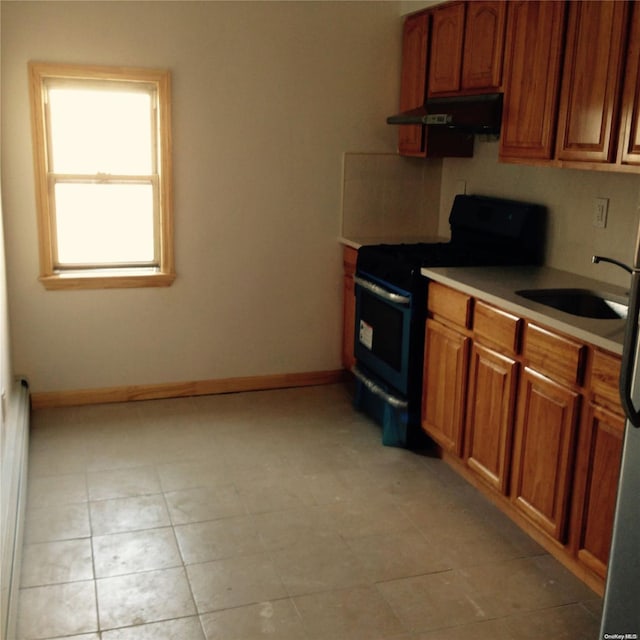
(159, 272)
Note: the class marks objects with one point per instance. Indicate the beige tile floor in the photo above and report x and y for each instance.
(272, 514)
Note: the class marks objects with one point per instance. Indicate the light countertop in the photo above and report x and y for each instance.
(360, 241)
(497, 285)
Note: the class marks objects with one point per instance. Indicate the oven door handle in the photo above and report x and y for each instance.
(381, 292)
(376, 389)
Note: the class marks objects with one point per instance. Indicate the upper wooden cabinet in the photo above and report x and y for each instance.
(467, 43)
(533, 55)
(484, 45)
(572, 99)
(415, 36)
(418, 140)
(629, 149)
(446, 49)
(571, 79)
(591, 83)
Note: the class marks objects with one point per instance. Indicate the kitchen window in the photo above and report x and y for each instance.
(102, 150)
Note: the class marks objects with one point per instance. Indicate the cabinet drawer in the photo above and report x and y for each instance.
(450, 304)
(497, 327)
(554, 355)
(605, 375)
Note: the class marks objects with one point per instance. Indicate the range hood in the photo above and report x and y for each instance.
(473, 114)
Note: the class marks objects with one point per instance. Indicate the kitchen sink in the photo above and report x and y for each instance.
(580, 302)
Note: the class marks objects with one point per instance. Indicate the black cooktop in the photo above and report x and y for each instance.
(484, 231)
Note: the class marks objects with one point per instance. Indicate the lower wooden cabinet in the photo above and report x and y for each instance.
(350, 257)
(530, 417)
(598, 466)
(543, 451)
(597, 486)
(490, 414)
(445, 373)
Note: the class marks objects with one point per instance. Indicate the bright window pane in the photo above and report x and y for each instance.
(98, 131)
(102, 224)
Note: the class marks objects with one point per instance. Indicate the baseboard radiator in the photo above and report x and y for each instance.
(15, 442)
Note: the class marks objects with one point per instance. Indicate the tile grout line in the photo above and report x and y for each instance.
(184, 565)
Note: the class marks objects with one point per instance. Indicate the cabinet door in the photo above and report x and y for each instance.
(589, 100)
(445, 382)
(544, 441)
(490, 413)
(413, 81)
(533, 57)
(447, 35)
(350, 257)
(483, 45)
(598, 468)
(630, 138)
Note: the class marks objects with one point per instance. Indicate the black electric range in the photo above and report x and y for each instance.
(391, 300)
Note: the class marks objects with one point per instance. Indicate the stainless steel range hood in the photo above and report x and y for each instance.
(474, 114)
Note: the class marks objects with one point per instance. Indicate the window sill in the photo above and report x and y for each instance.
(107, 279)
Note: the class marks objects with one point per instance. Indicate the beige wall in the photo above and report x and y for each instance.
(267, 97)
(568, 195)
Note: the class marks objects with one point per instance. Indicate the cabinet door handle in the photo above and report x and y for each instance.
(381, 292)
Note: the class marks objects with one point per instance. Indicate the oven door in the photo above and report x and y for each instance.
(382, 331)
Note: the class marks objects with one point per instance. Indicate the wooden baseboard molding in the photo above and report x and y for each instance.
(51, 399)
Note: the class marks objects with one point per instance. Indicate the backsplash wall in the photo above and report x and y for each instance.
(389, 197)
(568, 195)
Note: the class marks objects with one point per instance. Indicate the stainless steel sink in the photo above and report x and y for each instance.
(580, 302)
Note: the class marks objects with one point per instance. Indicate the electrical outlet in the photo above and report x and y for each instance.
(600, 212)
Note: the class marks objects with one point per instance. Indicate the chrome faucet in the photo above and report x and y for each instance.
(596, 259)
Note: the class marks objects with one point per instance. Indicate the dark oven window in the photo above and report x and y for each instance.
(386, 322)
